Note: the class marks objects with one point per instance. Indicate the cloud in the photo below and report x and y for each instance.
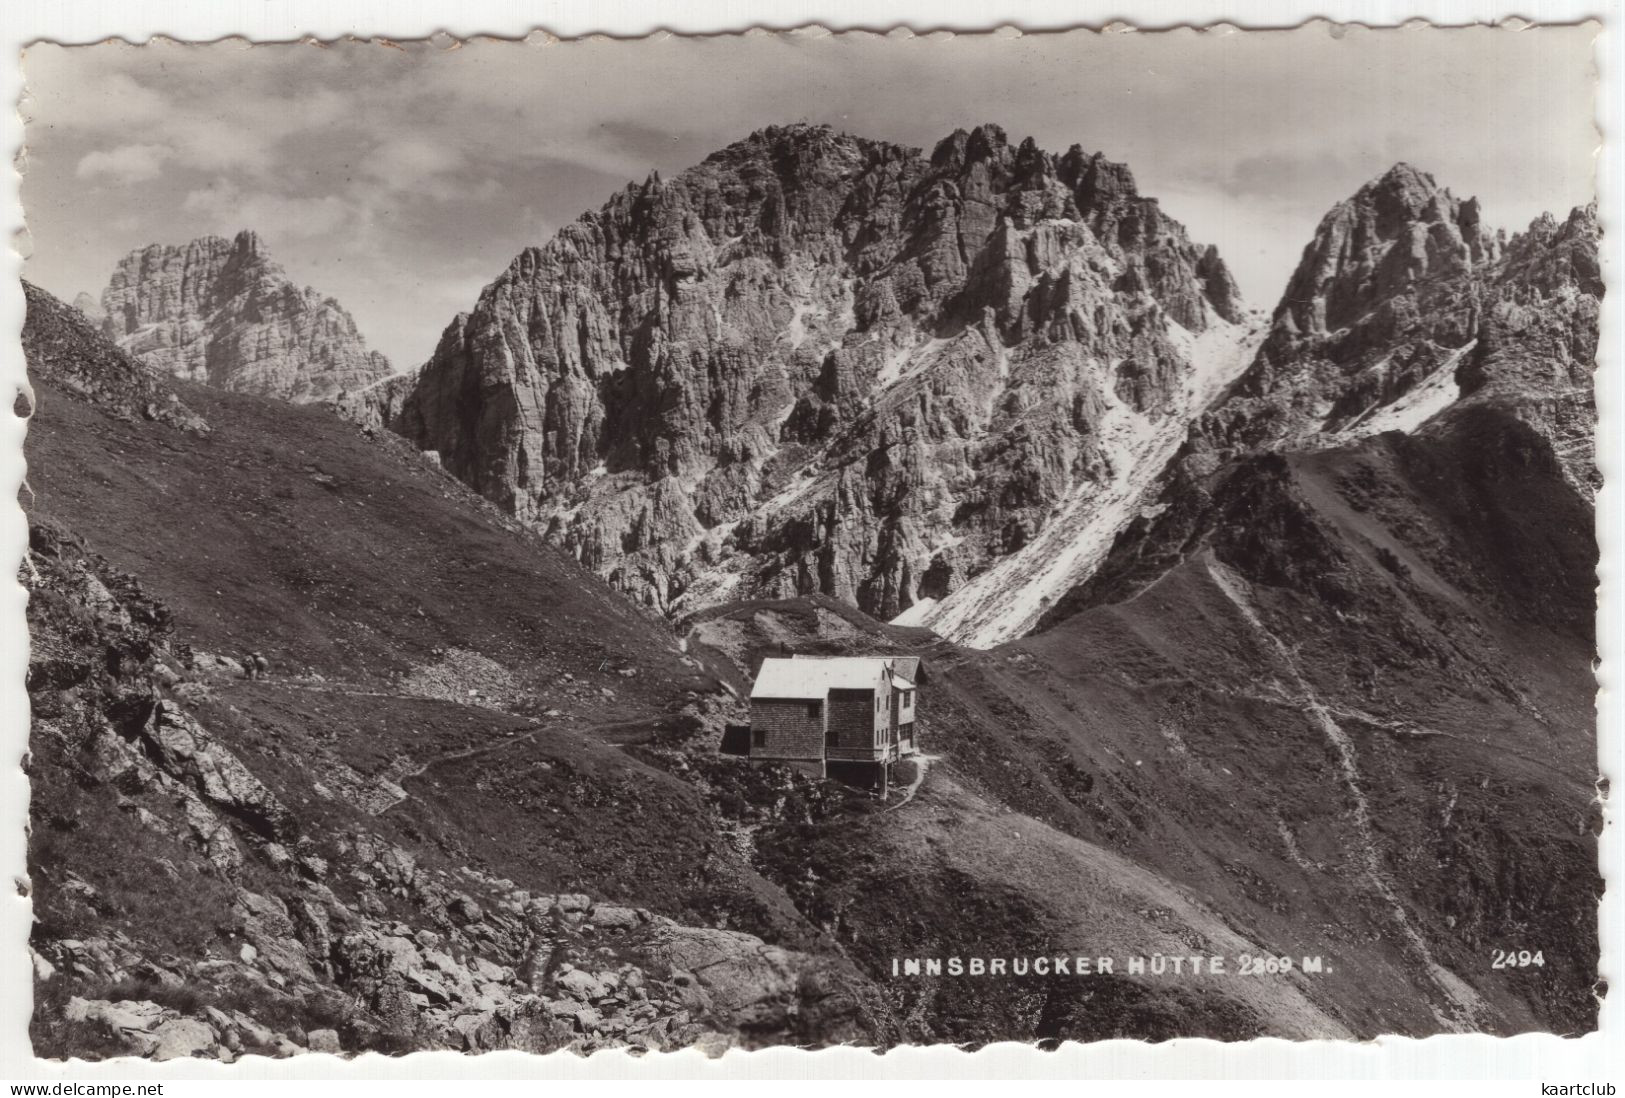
(58, 97)
(224, 207)
(410, 157)
(215, 113)
(414, 166)
(125, 164)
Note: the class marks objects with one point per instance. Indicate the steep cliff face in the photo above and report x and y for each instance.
(1405, 305)
(222, 313)
(1537, 340)
(1404, 317)
(816, 363)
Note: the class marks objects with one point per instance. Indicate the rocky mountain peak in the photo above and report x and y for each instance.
(1407, 306)
(815, 362)
(790, 150)
(1403, 190)
(1536, 343)
(1552, 256)
(247, 243)
(90, 307)
(950, 151)
(224, 313)
(988, 142)
(1398, 229)
(1106, 180)
(1084, 183)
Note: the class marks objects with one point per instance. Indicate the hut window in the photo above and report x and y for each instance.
(815, 709)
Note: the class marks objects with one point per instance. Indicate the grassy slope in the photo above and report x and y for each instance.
(350, 561)
(288, 530)
(1428, 595)
(982, 863)
(1433, 596)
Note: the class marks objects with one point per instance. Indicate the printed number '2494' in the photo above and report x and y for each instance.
(1517, 958)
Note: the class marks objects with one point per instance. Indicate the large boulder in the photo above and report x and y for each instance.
(187, 751)
(133, 1022)
(182, 1037)
(748, 985)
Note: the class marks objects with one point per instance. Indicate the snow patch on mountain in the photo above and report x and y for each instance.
(916, 614)
(1438, 391)
(1007, 600)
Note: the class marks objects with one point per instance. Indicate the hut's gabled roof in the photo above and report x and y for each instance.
(813, 679)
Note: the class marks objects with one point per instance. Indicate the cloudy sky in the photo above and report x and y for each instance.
(401, 179)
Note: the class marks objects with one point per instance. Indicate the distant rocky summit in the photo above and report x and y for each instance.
(1403, 306)
(1405, 317)
(223, 313)
(819, 363)
(90, 307)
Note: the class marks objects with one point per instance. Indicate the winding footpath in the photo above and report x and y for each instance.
(922, 763)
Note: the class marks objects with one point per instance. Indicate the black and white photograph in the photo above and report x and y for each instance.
(810, 539)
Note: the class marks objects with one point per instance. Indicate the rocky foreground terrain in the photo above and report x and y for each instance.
(223, 313)
(1312, 678)
(344, 855)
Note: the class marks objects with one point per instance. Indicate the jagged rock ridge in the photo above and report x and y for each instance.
(821, 363)
(1405, 305)
(1393, 509)
(1405, 315)
(223, 313)
(64, 348)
